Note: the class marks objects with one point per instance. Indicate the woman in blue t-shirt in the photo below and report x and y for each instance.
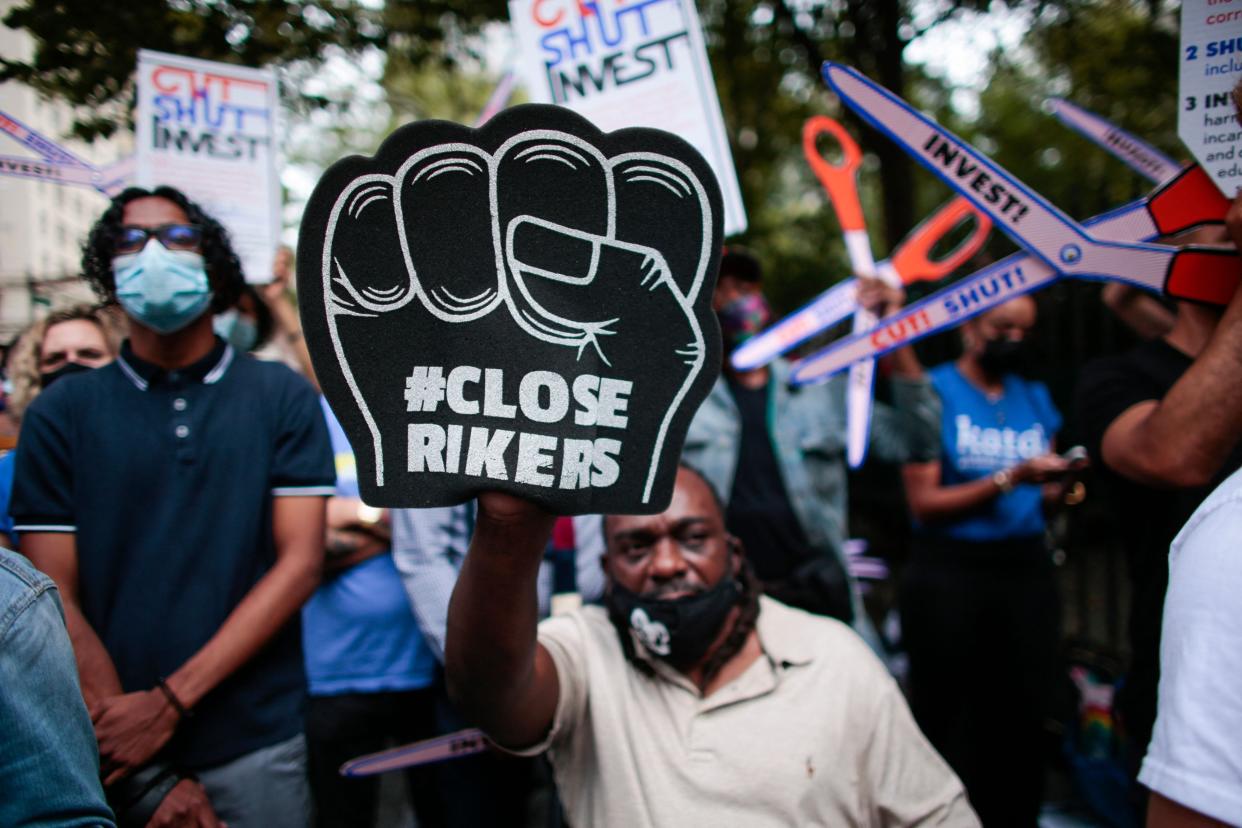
(979, 603)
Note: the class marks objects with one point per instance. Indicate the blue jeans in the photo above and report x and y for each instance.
(49, 761)
(266, 788)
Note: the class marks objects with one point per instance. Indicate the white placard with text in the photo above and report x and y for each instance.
(210, 130)
(629, 63)
(1210, 66)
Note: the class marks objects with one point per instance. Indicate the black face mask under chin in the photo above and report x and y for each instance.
(677, 631)
(63, 371)
(1005, 356)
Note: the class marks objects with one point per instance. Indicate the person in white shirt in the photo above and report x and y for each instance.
(689, 698)
(1193, 766)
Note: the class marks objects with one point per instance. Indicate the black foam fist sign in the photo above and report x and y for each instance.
(524, 307)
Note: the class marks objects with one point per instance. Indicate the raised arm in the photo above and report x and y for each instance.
(497, 672)
(1183, 439)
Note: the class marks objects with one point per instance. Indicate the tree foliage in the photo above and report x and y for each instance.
(1116, 57)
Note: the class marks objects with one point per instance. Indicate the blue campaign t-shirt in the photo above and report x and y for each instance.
(7, 467)
(981, 436)
(358, 630)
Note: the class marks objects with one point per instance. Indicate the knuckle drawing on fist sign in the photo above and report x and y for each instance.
(523, 307)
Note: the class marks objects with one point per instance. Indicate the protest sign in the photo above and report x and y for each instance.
(911, 261)
(456, 745)
(629, 63)
(1190, 200)
(210, 130)
(523, 307)
(1061, 247)
(57, 165)
(1210, 66)
(1136, 153)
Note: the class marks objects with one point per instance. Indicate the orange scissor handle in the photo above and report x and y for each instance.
(840, 181)
(912, 258)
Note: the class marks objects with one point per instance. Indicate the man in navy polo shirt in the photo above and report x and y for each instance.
(177, 499)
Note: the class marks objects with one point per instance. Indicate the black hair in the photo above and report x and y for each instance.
(224, 273)
(741, 264)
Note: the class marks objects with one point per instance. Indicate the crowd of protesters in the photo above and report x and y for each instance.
(205, 620)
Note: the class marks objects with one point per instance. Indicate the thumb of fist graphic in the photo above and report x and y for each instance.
(523, 307)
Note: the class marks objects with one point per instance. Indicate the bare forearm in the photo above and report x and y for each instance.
(490, 649)
(1199, 421)
(96, 672)
(939, 503)
(253, 623)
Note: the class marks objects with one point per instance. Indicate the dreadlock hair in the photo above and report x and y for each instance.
(224, 273)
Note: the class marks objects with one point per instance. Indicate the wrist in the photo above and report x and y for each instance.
(1004, 480)
(180, 706)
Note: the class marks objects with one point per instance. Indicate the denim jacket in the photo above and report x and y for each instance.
(807, 427)
(49, 764)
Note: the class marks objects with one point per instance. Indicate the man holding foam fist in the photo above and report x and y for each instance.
(689, 698)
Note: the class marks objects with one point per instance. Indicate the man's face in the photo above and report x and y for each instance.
(683, 551)
(74, 340)
(1011, 321)
(729, 288)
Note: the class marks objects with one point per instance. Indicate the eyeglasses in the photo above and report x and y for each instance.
(172, 236)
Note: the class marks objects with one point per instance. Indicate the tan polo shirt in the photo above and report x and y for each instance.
(815, 732)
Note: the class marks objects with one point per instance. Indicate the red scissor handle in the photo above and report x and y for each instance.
(912, 258)
(840, 181)
(1187, 200)
(1205, 275)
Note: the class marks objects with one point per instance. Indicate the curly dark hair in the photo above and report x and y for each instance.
(224, 273)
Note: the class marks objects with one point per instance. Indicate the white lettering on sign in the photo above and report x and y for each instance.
(990, 448)
(542, 397)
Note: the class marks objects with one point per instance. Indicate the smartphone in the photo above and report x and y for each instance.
(1076, 456)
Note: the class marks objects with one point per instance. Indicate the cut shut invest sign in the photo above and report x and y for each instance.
(524, 307)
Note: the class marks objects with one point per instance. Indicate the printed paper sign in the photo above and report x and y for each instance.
(626, 63)
(210, 130)
(523, 307)
(1210, 66)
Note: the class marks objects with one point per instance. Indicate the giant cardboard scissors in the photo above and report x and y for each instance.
(911, 261)
(1131, 150)
(1110, 247)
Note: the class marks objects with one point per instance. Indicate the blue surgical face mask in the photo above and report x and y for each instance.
(163, 289)
(235, 329)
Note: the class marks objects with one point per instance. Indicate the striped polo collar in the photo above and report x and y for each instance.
(208, 370)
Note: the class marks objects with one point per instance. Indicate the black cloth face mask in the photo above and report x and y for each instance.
(677, 631)
(63, 371)
(1005, 356)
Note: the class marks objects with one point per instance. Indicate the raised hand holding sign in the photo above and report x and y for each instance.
(524, 307)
